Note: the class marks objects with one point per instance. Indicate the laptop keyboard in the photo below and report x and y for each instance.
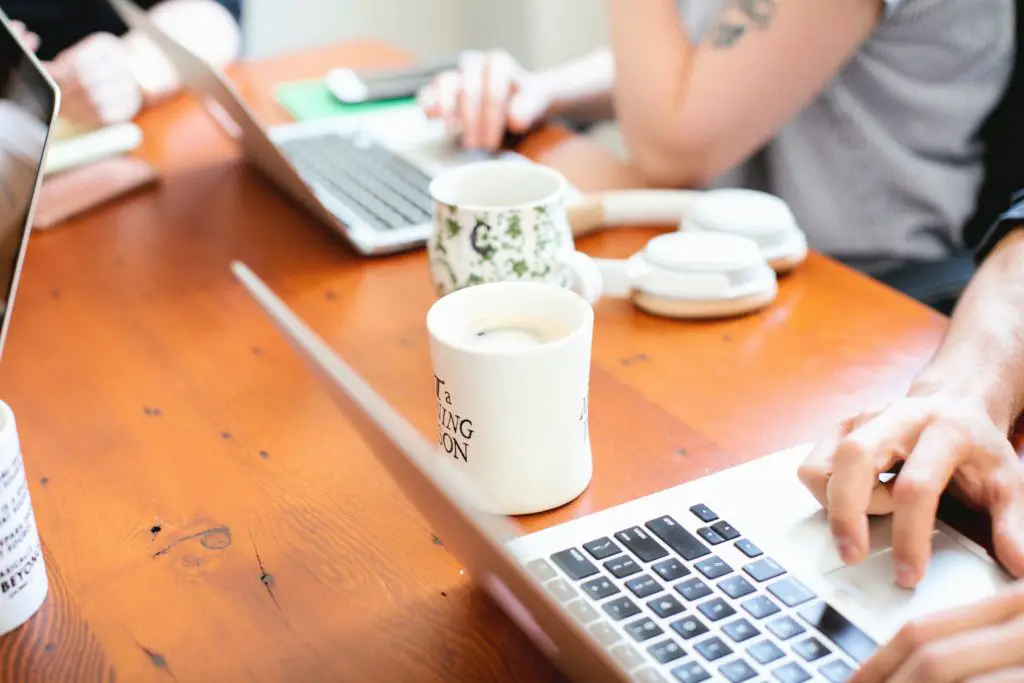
(381, 187)
(668, 607)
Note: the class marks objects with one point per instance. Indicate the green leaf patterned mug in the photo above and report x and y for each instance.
(505, 220)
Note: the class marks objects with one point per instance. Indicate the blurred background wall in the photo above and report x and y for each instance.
(538, 32)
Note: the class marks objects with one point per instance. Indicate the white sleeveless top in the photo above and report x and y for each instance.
(884, 164)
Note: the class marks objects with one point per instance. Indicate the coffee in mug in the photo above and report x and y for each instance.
(505, 220)
(511, 378)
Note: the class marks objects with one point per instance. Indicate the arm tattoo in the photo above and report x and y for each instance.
(740, 17)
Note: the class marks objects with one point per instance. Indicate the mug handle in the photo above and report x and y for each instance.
(587, 281)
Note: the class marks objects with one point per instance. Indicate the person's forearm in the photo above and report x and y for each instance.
(203, 26)
(982, 355)
(653, 61)
(581, 87)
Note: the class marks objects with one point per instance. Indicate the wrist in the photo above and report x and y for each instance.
(547, 86)
(971, 383)
(584, 84)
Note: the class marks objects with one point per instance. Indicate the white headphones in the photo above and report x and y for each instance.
(721, 262)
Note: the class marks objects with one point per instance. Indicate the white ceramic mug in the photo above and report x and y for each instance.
(511, 377)
(23, 582)
(505, 220)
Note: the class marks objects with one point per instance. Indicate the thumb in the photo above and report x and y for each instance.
(525, 110)
(1008, 529)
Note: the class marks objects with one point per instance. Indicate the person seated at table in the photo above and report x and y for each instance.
(949, 432)
(107, 74)
(861, 114)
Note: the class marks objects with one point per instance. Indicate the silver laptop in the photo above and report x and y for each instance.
(29, 102)
(731, 577)
(365, 175)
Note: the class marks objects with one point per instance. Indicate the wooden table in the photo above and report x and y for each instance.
(209, 515)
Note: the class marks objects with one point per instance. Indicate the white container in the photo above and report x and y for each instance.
(511, 377)
(23, 582)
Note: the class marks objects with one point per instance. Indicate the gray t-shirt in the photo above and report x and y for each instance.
(884, 164)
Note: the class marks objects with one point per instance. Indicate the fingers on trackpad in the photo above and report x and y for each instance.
(872, 583)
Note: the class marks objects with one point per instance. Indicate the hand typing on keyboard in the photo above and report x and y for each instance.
(489, 94)
(940, 440)
(979, 642)
(96, 82)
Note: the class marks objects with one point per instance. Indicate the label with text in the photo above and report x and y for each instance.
(454, 431)
(20, 551)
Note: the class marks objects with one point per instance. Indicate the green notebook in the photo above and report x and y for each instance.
(310, 100)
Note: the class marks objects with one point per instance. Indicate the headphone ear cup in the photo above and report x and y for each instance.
(728, 211)
(696, 275)
(689, 309)
(788, 263)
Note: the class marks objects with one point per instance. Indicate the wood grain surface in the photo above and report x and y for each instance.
(209, 515)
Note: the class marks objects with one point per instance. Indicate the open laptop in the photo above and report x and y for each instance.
(365, 175)
(731, 577)
(29, 101)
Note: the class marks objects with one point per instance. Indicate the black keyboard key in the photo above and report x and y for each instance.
(737, 671)
(643, 629)
(785, 628)
(839, 630)
(713, 648)
(791, 592)
(811, 649)
(725, 530)
(764, 570)
(666, 606)
(689, 627)
(685, 544)
(621, 567)
(791, 673)
(691, 672)
(736, 587)
(643, 586)
(602, 548)
(710, 535)
(640, 543)
(574, 564)
(716, 609)
(766, 651)
(760, 606)
(621, 608)
(836, 672)
(670, 569)
(693, 589)
(740, 630)
(666, 651)
(599, 588)
(704, 513)
(713, 567)
(748, 548)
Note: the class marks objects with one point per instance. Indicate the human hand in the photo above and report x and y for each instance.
(980, 643)
(488, 94)
(96, 82)
(940, 440)
(30, 39)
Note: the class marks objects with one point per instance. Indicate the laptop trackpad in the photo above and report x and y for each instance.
(955, 576)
